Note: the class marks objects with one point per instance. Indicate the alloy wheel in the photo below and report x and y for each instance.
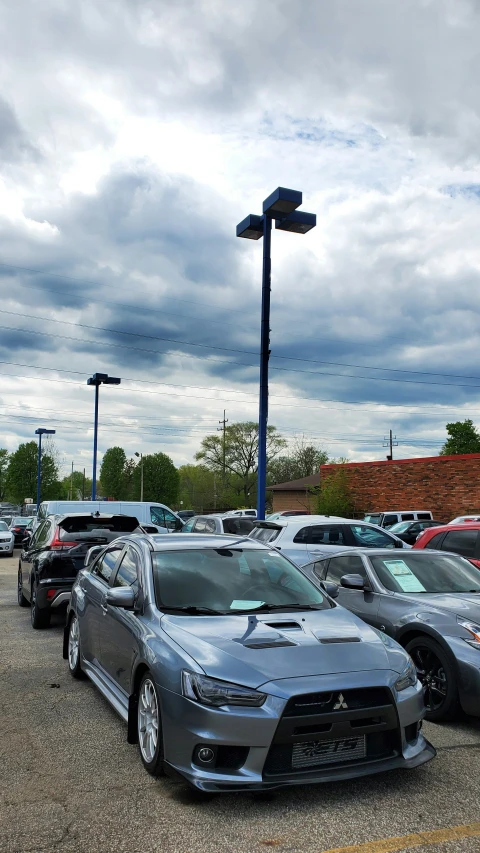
(432, 675)
(148, 720)
(73, 643)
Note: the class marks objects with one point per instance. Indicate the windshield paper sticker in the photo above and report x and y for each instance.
(404, 576)
(238, 604)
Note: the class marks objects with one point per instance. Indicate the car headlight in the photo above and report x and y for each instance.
(474, 631)
(408, 677)
(209, 691)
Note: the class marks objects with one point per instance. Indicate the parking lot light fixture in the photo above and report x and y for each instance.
(98, 379)
(281, 206)
(41, 431)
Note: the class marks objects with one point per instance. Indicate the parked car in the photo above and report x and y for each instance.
(53, 555)
(460, 538)
(225, 662)
(429, 602)
(311, 536)
(409, 531)
(184, 514)
(218, 524)
(18, 525)
(387, 518)
(145, 511)
(285, 513)
(465, 518)
(249, 513)
(7, 539)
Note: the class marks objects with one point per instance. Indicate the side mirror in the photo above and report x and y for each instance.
(330, 588)
(352, 582)
(91, 554)
(26, 540)
(120, 596)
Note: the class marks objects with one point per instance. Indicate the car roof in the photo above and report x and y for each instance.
(197, 541)
(307, 520)
(472, 525)
(383, 552)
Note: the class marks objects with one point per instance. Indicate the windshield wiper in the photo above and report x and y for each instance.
(268, 607)
(191, 608)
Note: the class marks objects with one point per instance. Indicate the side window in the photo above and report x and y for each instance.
(325, 534)
(171, 522)
(320, 568)
(370, 537)
(104, 567)
(461, 542)
(435, 541)
(45, 532)
(392, 519)
(37, 535)
(424, 516)
(408, 516)
(416, 528)
(188, 526)
(157, 516)
(129, 570)
(339, 566)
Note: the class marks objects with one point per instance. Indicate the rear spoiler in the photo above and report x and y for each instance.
(270, 525)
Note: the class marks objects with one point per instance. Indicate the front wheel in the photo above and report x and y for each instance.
(22, 601)
(149, 726)
(40, 617)
(438, 678)
(74, 656)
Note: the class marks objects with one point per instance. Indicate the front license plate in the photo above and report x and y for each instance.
(314, 752)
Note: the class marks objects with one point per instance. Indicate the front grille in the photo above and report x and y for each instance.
(333, 729)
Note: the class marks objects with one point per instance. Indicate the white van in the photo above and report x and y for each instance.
(386, 519)
(147, 512)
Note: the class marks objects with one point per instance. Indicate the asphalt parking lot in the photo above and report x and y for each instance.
(70, 782)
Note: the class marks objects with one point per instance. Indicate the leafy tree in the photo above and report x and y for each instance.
(241, 455)
(21, 475)
(303, 461)
(3, 472)
(197, 487)
(112, 473)
(161, 479)
(73, 487)
(463, 438)
(335, 497)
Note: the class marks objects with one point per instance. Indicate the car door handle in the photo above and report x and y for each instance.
(104, 609)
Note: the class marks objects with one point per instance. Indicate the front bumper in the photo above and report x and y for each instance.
(269, 732)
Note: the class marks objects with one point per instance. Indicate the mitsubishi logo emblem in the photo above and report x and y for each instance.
(340, 704)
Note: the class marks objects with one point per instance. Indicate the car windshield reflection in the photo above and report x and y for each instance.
(421, 573)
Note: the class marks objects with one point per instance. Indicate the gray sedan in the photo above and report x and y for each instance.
(429, 601)
(234, 671)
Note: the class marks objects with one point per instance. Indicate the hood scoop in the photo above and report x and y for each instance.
(267, 644)
(284, 626)
(258, 638)
(328, 640)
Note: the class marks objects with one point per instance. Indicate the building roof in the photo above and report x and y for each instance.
(300, 485)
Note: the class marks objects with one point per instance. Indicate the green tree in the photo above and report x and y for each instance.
(303, 461)
(463, 438)
(160, 479)
(3, 472)
(335, 497)
(73, 487)
(21, 475)
(113, 478)
(237, 461)
(197, 487)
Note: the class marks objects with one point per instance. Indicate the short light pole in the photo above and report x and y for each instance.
(41, 431)
(98, 379)
(140, 456)
(281, 206)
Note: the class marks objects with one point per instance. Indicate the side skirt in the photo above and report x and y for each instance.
(116, 698)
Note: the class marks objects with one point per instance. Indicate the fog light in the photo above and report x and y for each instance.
(205, 755)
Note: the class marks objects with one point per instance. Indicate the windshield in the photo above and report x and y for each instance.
(399, 527)
(231, 580)
(373, 518)
(427, 573)
(3, 526)
(20, 522)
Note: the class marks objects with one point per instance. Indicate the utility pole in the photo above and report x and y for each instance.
(223, 428)
(83, 486)
(390, 442)
(71, 483)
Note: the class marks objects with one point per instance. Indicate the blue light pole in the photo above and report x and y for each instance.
(98, 379)
(281, 205)
(41, 431)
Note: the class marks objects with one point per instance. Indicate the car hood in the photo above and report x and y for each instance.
(253, 649)
(465, 604)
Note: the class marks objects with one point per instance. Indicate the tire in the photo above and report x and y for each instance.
(22, 601)
(74, 649)
(149, 726)
(39, 617)
(438, 676)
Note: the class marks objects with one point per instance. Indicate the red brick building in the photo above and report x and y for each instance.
(446, 485)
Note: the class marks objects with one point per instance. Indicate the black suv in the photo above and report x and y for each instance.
(51, 558)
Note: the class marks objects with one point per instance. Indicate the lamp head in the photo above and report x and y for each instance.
(281, 202)
(251, 227)
(297, 221)
(43, 431)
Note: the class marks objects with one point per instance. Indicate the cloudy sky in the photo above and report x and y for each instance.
(134, 135)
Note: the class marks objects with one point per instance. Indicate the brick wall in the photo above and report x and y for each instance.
(293, 500)
(446, 485)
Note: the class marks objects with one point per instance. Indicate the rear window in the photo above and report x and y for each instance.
(88, 523)
(265, 534)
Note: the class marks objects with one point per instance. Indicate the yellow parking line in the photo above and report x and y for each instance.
(407, 842)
